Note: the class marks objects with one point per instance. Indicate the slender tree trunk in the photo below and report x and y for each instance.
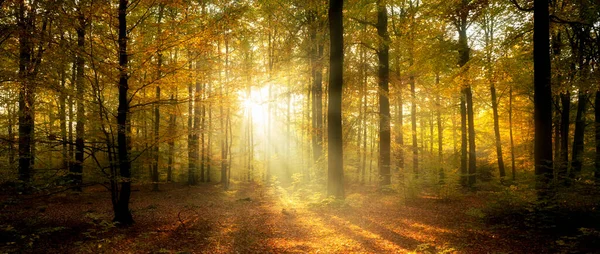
(384, 100)
(11, 135)
(335, 182)
(70, 103)
(159, 57)
(209, 133)
(317, 87)
(202, 142)
(466, 100)
(197, 124)
(62, 115)
(556, 125)
(122, 213)
(26, 95)
(497, 131)
(577, 156)
(171, 142)
(565, 118)
(542, 97)
(224, 124)
(365, 128)
(510, 129)
(440, 132)
(464, 174)
(489, 29)
(597, 136)
(192, 146)
(400, 120)
(77, 167)
(361, 112)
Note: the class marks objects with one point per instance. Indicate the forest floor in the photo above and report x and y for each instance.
(251, 218)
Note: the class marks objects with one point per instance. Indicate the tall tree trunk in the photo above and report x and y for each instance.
(413, 119)
(440, 131)
(464, 55)
(471, 123)
(464, 173)
(510, 129)
(542, 98)
(565, 118)
(489, 30)
(365, 128)
(202, 140)
(317, 86)
(335, 182)
(384, 100)
(577, 156)
(361, 113)
(192, 147)
(26, 94)
(497, 131)
(171, 142)
(159, 60)
(224, 123)
(62, 113)
(122, 213)
(209, 134)
(11, 135)
(197, 124)
(400, 119)
(77, 167)
(582, 35)
(597, 136)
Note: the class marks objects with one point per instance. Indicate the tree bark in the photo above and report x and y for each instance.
(464, 173)
(442, 175)
(192, 146)
(77, 167)
(565, 118)
(467, 96)
(122, 213)
(578, 135)
(384, 100)
(510, 129)
(597, 136)
(542, 97)
(335, 183)
(400, 119)
(26, 95)
(317, 86)
(159, 61)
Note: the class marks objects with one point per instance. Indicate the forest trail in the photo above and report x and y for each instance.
(252, 218)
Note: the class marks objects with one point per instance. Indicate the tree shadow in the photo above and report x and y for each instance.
(372, 236)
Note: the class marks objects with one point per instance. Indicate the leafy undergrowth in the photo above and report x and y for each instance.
(252, 218)
(569, 216)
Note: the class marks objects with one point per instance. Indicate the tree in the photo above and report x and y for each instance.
(121, 208)
(77, 167)
(384, 100)
(26, 25)
(316, 54)
(159, 62)
(335, 182)
(489, 27)
(542, 98)
(461, 22)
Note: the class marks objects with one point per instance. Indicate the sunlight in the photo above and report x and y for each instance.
(255, 104)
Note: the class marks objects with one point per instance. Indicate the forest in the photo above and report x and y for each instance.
(299, 126)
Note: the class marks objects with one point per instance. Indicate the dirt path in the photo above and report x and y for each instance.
(255, 219)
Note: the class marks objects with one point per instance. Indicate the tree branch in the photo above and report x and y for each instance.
(364, 22)
(521, 8)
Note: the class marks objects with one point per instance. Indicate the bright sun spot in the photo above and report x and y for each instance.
(256, 104)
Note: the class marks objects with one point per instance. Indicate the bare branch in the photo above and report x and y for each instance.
(521, 8)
